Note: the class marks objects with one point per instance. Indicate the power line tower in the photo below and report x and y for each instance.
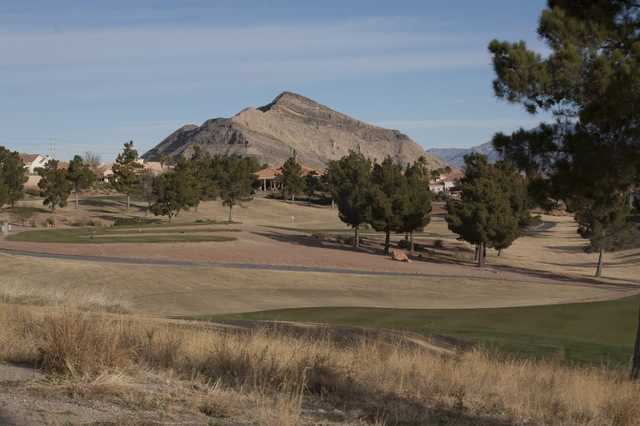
(52, 148)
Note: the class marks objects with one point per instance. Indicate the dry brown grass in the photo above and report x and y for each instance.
(24, 292)
(278, 374)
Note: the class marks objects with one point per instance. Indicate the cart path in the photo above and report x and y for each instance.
(486, 274)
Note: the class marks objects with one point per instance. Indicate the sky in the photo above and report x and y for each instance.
(90, 75)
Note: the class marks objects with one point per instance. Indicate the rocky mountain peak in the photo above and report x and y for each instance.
(292, 122)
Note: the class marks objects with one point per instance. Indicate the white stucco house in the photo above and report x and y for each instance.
(34, 161)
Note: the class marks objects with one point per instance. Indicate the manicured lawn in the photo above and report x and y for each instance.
(116, 235)
(592, 333)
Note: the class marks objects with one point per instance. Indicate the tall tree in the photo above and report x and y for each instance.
(54, 186)
(291, 178)
(417, 213)
(389, 199)
(483, 216)
(590, 80)
(514, 186)
(237, 180)
(13, 176)
(126, 172)
(348, 182)
(145, 188)
(312, 184)
(80, 175)
(206, 171)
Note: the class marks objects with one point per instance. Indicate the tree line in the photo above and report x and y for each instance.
(492, 210)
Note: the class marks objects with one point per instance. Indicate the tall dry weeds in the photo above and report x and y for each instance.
(384, 383)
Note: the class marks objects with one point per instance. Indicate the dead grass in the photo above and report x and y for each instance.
(101, 355)
(82, 298)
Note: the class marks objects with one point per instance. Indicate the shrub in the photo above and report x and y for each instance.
(438, 244)
(322, 236)
(345, 239)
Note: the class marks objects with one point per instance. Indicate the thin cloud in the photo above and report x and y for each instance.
(459, 123)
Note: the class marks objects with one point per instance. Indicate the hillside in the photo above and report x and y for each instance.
(292, 122)
(455, 156)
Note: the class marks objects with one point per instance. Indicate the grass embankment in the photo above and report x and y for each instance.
(142, 234)
(594, 333)
(282, 379)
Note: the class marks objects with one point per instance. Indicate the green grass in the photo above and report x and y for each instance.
(115, 235)
(582, 333)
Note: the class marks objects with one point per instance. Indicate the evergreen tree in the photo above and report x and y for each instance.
(312, 184)
(291, 178)
(80, 176)
(417, 213)
(237, 180)
(514, 186)
(188, 187)
(167, 199)
(348, 183)
(145, 188)
(13, 176)
(389, 199)
(54, 186)
(126, 172)
(175, 191)
(586, 83)
(206, 172)
(483, 216)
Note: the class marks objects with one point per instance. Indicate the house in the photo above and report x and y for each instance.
(156, 167)
(34, 161)
(446, 182)
(268, 177)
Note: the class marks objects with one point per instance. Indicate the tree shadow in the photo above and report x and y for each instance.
(619, 283)
(366, 244)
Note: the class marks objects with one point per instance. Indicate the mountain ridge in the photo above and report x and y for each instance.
(292, 122)
(455, 156)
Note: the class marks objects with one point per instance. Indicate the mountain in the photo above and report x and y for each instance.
(291, 122)
(455, 156)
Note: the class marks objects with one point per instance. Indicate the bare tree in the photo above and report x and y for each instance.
(93, 161)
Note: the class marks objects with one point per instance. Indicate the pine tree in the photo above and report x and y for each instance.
(483, 216)
(348, 182)
(389, 199)
(166, 195)
(291, 178)
(54, 186)
(237, 180)
(205, 172)
(312, 184)
(417, 213)
(13, 176)
(80, 176)
(514, 186)
(126, 172)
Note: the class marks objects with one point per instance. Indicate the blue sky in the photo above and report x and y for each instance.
(91, 75)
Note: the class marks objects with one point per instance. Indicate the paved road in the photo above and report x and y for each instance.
(546, 279)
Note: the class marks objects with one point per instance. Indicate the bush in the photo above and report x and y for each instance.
(322, 236)
(438, 244)
(345, 239)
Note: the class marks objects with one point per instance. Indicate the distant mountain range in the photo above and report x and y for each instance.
(292, 123)
(455, 156)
